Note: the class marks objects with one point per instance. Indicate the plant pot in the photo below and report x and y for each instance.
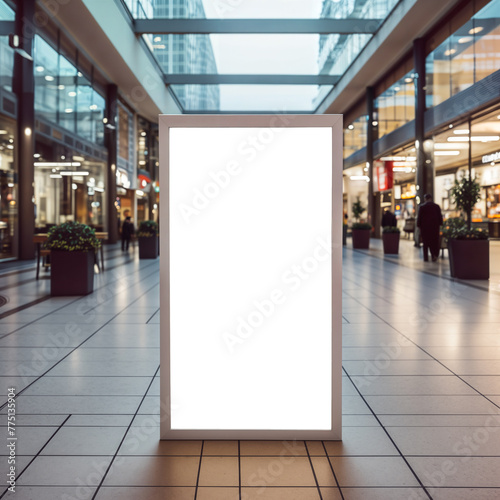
(71, 273)
(148, 247)
(391, 242)
(361, 238)
(469, 259)
(344, 235)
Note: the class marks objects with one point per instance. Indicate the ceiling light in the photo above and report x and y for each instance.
(397, 89)
(61, 87)
(408, 79)
(72, 94)
(446, 153)
(57, 164)
(157, 39)
(55, 176)
(40, 69)
(36, 155)
(10, 146)
(93, 106)
(143, 134)
(447, 145)
(465, 39)
(461, 132)
(393, 158)
(375, 123)
(475, 30)
(78, 158)
(74, 172)
(68, 110)
(351, 126)
(359, 178)
(406, 170)
(49, 78)
(449, 52)
(476, 138)
(3, 132)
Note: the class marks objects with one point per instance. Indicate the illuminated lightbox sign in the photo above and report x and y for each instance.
(251, 277)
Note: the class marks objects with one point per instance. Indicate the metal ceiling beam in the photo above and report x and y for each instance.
(198, 79)
(255, 26)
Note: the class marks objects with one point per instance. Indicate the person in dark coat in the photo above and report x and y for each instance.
(389, 219)
(429, 220)
(127, 232)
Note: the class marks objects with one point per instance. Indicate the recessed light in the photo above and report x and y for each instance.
(49, 78)
(475, 30)
(465, 39)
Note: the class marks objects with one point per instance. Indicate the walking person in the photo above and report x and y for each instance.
(429, 220)
(389, 219)
(127, 232)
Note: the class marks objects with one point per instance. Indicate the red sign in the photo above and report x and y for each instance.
(383, 175)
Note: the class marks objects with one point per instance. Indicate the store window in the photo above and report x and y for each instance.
(463, 52)
(65, 96)
(396, 106)
(8, 190)
(65, 194)
(355, 135)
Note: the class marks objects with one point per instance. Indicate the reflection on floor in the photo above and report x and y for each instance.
(421, 396)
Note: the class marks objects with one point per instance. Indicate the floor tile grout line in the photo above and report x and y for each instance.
(333, 471)
(63, 306)
(433, 358)
(239, 469)
(199, 470)
(313, 471)
(390, 438)
(124, 435)
(152, 316)
(73, 350)
(39, 452)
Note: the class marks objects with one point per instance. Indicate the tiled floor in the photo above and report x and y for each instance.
(421, 397)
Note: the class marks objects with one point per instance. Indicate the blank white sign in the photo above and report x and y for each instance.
(248, 339)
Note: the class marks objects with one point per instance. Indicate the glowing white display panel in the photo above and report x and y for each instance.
(250, 277)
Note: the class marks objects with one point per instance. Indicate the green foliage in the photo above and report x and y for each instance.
(72, 237)
(469, 234)
(465, 194)
(451, 225)
(357, 209)
(148, 229)
(361, 225)
(390, 229)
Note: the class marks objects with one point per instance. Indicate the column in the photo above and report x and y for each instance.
(371, 137)
(111, 140)
(23, 86)
(425, 167)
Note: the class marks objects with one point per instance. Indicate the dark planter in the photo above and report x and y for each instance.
(391, 242)
(148, 247)
(469, 259)
(361, 238)
(344, 235)
(71, 273)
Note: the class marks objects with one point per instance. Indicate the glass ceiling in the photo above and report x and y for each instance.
(224, 55)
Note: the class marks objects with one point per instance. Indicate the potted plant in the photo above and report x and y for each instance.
(72, 246)
(361, 235)
(148, 239)
(390, 239)
(468, 248)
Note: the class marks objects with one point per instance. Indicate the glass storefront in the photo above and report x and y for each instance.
(70, 190)
(64, 95)
(469, 54)
(396, 105)
(8, 190)
(451, 160)
(355, 135)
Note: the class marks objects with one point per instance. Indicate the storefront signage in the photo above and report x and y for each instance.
(383, 175)
(492, 157)
(250, 277)
(122, 178)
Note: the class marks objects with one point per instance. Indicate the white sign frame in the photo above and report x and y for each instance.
(332, 122)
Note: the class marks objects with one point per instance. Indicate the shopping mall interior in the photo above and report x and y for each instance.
(416, 84)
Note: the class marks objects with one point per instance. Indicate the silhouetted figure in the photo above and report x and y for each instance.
(127, 232)
(389, 219)
(429, 221)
